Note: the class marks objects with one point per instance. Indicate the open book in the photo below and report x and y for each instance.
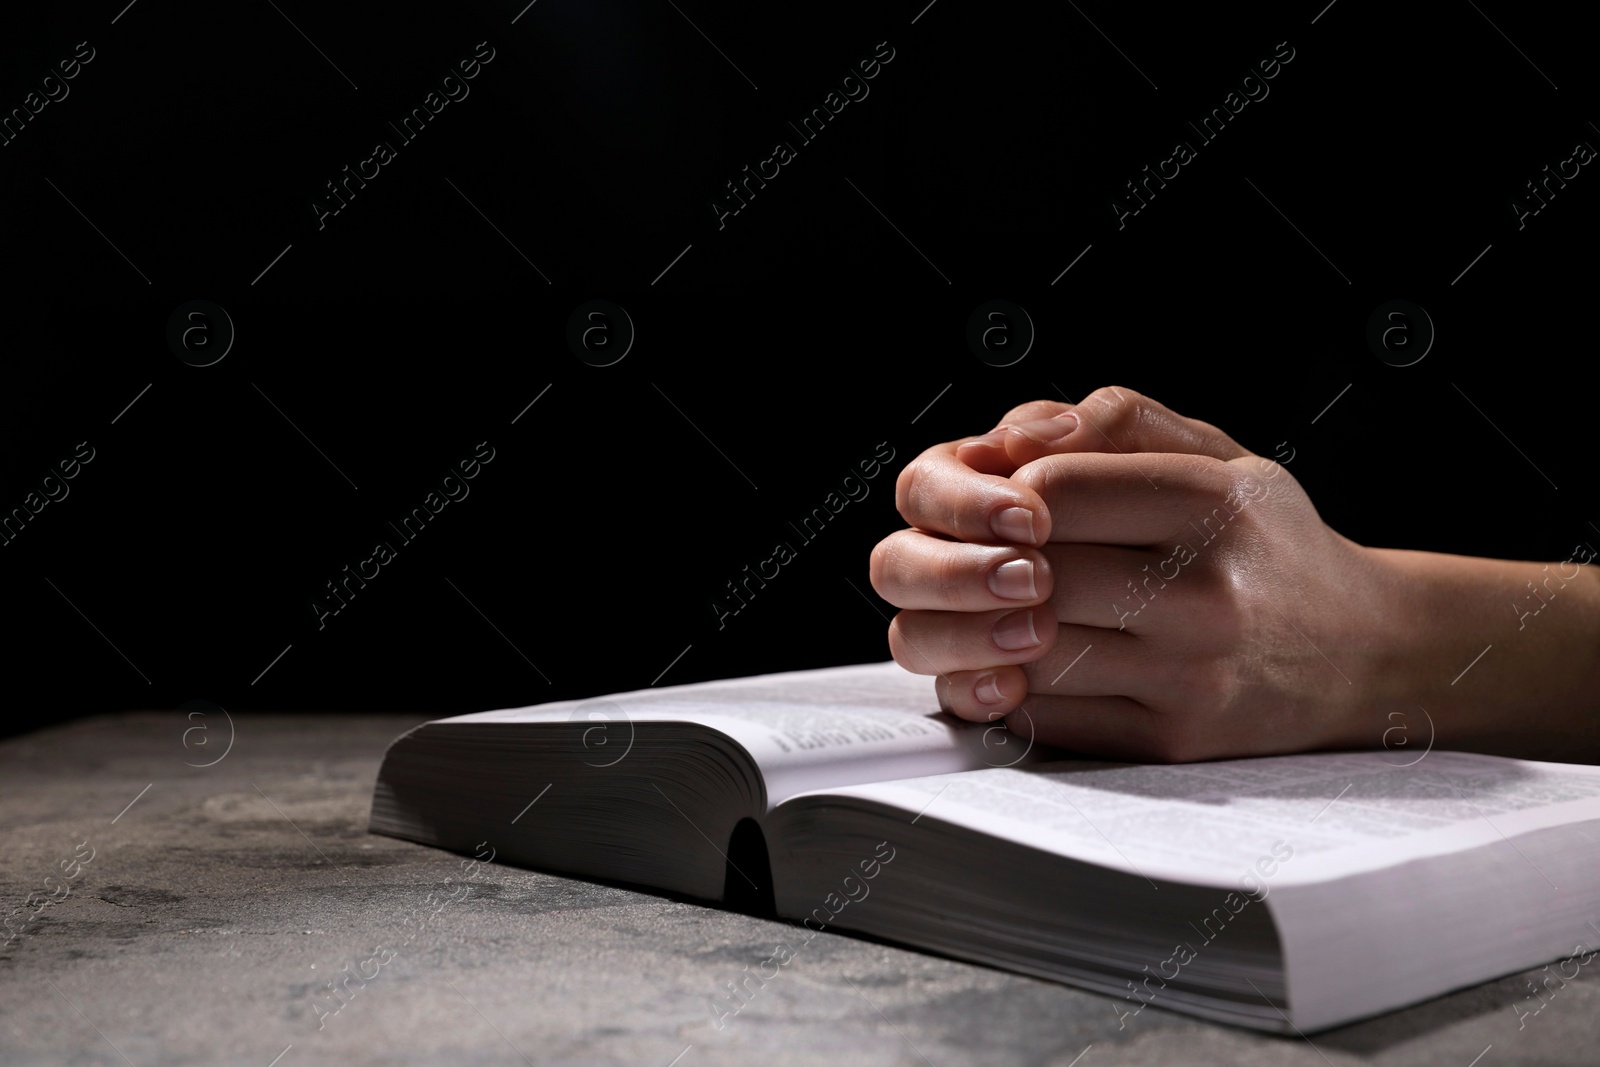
(1292, 891)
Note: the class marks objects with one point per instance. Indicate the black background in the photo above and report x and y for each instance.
(826, 317)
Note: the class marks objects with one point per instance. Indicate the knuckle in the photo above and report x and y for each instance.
(1238, 484)
(1032, 410)
(1221, 485)
(915, 483)
(950, 575)
(1121, 414)
(906, 488)
(877, 568)
(899, 645)
(1041, 475)
(1044, 575)
(918, 643)
(1050, 479)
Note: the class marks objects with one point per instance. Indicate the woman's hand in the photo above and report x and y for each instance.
(1117, 579)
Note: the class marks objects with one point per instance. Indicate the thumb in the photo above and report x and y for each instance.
(1114, 419)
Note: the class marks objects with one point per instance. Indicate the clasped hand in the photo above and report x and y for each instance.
(1114, 578)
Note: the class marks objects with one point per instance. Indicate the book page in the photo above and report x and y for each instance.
(806, 729)
(1255, 822)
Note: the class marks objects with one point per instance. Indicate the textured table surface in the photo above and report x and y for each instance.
(220, 900)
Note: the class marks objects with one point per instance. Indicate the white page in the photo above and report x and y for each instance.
(1309, 817)
(805, 729)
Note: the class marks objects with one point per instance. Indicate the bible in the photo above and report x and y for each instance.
(1278, 893)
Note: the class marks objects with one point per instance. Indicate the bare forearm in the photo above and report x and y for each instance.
(1503, 655)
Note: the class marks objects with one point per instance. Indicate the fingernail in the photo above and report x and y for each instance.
(993, 437)
(1013, 524)
(987, 689)
(1046, 431)
(1015, 632)
(1014, 580)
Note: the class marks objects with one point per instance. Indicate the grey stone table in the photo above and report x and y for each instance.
(203, 910)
